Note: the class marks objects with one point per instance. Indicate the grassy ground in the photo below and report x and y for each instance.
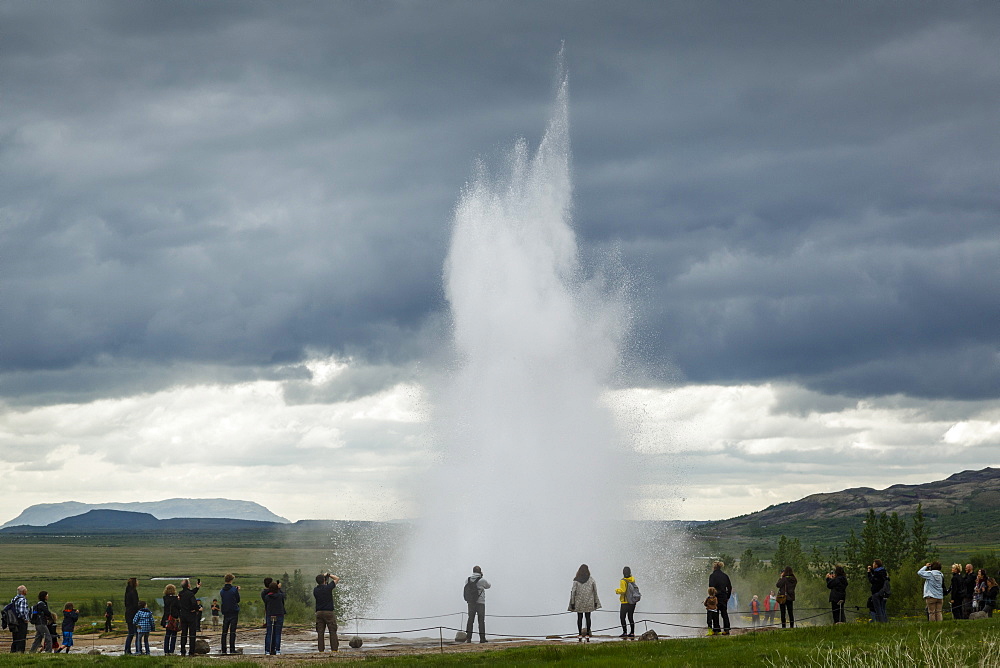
(946, 644)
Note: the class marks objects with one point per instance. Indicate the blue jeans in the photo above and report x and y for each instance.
(142, 643)
(131, 634)
(878, 614)
(272, 636)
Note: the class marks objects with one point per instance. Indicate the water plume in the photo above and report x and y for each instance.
(531, 481)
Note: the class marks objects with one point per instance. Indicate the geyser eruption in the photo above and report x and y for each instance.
(533, 479)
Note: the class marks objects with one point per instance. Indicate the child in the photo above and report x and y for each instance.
(215, 613)
(70, 617)
(143, 626)
(755, 611)
(712, 606)
(109, 613)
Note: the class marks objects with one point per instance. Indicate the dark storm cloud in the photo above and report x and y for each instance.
(805, 191)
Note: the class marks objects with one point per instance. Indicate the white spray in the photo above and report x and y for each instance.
(532, 480)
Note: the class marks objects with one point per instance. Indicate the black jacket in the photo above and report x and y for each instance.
(171, 608)
(957, 589)
(786, 585)
(838, 588)
(131, 602)
(274, 604)
(877, 579)
(189, 604)
(229, 597)
(44, 616)
(723, 587)
(970, 585)
(70, 618)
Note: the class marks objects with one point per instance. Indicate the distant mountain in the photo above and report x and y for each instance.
(953, 508)
(118, 521)
(43, 514)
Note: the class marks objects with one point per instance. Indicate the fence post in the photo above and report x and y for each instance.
(441, 639)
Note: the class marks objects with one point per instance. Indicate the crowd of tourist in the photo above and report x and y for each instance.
(182, 615)
(969, 591)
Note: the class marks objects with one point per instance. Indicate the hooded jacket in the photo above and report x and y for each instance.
(622, 588)
(786, 585)
(481, 584)
(877, 578)
(229, 597)
(838, 588)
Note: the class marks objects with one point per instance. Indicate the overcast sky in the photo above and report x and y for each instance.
(223, 225)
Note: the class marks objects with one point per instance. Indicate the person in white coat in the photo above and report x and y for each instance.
(583, 600)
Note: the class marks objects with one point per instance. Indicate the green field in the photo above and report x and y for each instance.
(946, 645)
(90, 570)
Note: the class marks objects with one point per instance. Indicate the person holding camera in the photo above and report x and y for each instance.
(836, 582)
(190, 615)
(877, 577)
(326, 615)
(274, 611)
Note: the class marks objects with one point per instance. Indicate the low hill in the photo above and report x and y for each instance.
(961, 509)
(121, 521)
(43, 514)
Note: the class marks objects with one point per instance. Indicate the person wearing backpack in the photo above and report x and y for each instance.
(474, 593)
(878, 578)
(40, 618)
(22, 612)
(583, 600)
(724, 589)
(628, 596)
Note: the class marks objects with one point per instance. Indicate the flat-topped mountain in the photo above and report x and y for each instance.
(43, 514)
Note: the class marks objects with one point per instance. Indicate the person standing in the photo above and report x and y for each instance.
(991, 595)
(723, 590)
(109, 613)
(933, 589)
(190, 615)
(23, 612)
(70, 617)
(131, 607)
(957, 591)
(230, 608)
(755, 611)
(583, 600)
(836, 582)
(40, 616)
(877, 578)
(143, 627)
(627, 610)
(215, 613)
(274, 608)
(970, 591)
(475, 595)
(171, 619)
(326, 614)
(770, 605)
(712, 611)
(786, 595)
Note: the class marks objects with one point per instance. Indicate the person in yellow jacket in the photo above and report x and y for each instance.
(628, 609)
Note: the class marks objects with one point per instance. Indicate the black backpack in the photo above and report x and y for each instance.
(886, 590)
(36, 616)
(8, 617)
(470, 592)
